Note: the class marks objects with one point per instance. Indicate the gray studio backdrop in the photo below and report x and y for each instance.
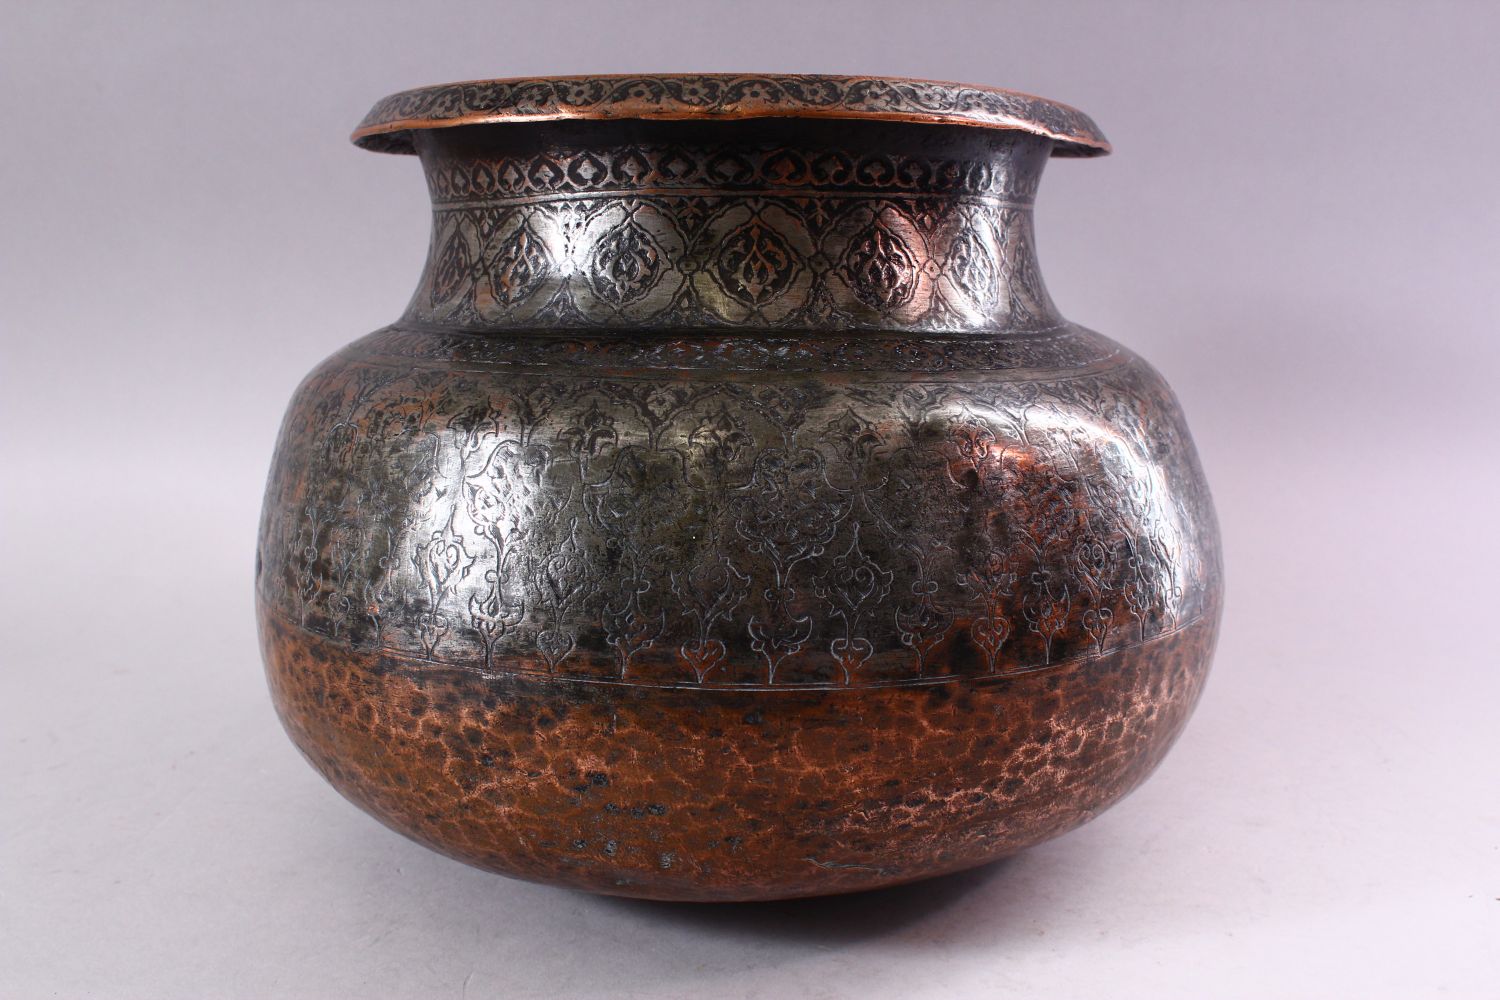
(1299, 227)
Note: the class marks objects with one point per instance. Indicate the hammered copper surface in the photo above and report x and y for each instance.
(729, 794)
(732, 516)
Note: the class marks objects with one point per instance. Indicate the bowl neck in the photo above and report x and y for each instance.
(784, 224)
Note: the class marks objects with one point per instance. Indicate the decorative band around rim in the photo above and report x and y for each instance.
(723, 96)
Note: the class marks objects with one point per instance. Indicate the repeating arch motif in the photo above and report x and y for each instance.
(692, 234)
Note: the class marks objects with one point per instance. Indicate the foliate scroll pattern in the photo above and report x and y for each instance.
(720, 532)
(759, 236)
(873, 355)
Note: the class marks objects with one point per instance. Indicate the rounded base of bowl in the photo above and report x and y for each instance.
(708, 793)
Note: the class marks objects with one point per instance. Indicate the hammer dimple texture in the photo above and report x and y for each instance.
(730, 795)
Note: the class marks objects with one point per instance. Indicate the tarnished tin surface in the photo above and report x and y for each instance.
(865, 227)
(734, 532)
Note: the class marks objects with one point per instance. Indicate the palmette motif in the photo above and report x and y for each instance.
(684, 235)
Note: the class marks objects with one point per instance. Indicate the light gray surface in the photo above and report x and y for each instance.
(1299, 227)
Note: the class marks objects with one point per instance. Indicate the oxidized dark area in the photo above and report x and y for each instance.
(732, 516)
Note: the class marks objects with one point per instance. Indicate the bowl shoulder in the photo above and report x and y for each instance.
(652, 509)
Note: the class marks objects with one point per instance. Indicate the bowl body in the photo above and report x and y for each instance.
(732, 515)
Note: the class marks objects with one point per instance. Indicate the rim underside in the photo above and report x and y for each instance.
(723, 97)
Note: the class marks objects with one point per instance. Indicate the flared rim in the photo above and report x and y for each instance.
(389, 126)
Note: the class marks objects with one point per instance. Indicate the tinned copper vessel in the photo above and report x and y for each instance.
(732, 515)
